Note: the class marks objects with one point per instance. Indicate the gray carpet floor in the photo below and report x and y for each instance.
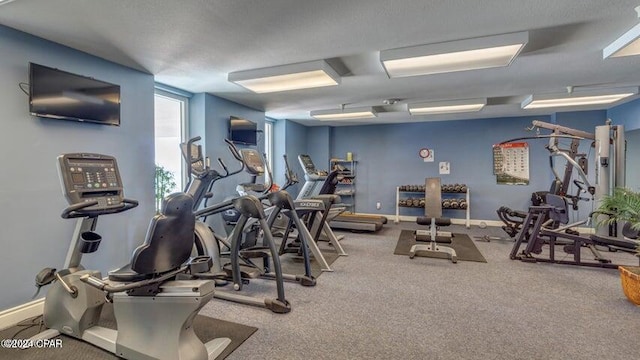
(377, 305)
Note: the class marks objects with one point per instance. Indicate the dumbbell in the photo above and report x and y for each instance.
(456, 187)
(422, 202)
(463, 188)
(454, 203)
(416, 202)
(446, 188)
(462, 203)
(421, 188)
(446, 203)
(401, 202)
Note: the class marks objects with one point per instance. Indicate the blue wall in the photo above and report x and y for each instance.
(32, 234)
(319, 145)
(626, 114)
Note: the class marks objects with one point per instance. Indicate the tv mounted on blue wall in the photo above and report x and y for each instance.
(62, 95)
(243, 131)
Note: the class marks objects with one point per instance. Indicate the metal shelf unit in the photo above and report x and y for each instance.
(346, 187)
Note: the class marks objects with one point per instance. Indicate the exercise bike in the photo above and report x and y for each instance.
(153, 311)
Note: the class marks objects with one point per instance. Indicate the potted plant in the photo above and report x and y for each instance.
(624, 206)
(164, 183)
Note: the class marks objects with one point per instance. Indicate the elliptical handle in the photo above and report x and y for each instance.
(188, 148)
(186, 152)
(224, 167)
(236, 154)
(233, 149)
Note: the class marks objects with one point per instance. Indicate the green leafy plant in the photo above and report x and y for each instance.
(164, 183)
(621, 206)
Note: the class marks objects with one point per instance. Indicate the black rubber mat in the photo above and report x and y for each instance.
(205, 327)
(465, 249)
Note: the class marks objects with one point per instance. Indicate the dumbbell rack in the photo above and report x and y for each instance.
(420, 203)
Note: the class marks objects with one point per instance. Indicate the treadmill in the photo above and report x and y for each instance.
(318, 182)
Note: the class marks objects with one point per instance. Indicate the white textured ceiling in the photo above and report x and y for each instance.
(194, 44)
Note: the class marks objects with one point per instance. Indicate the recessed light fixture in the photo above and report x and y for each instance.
(344, 114)
(626, 45)
(287, 77)
(461, 55)
(578, 98)
(447, 107)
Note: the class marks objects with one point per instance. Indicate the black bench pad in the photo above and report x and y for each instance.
(423, 220)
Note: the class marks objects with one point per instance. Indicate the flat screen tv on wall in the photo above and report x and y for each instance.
(58, 94)
(242, 131)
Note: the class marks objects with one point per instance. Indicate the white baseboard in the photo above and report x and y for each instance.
(10, 317)
(453, 221)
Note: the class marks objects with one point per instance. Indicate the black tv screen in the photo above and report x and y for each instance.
(243, 131)
(62, 95)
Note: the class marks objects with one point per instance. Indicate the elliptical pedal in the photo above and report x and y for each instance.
(255, 252)
(246, 271)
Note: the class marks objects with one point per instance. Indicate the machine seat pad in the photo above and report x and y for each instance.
(126, 274)
(630, 245)
(170, 236)
(424, 220)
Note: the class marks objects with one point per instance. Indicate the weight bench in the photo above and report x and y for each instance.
(433, 207)
(441, 236)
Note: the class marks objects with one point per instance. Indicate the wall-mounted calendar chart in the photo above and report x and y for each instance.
(511, 163)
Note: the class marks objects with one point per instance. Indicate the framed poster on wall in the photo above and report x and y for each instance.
(511, 163)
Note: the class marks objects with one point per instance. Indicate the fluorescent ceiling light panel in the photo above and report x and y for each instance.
(447, 107)
(287, 77)
(626, 45)
(344, 114)
(578, 98)
(461, 55)
(2, 2)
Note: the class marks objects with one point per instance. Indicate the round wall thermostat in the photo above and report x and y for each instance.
(424, 153)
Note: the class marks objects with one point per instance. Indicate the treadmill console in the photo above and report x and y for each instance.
(252, 161)
(91, 177)
(310, 171)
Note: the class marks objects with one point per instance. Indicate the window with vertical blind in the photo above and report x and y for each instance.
(268, 142)
(170, 125)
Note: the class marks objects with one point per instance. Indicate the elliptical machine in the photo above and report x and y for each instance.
(252, 216)
(145, 294)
